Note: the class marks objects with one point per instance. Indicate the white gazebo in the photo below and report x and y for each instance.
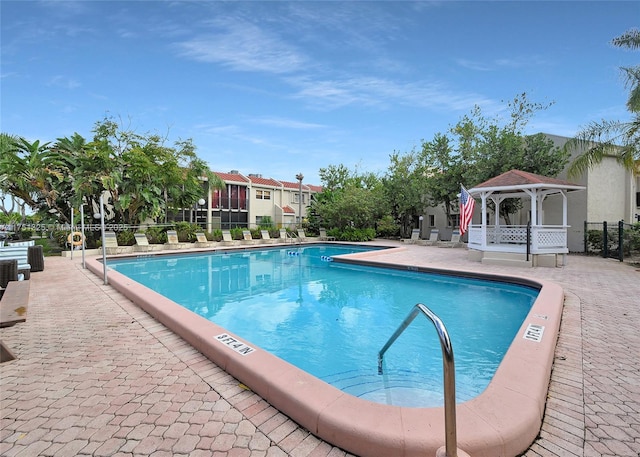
(534, 243)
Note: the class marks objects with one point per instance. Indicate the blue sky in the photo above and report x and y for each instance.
(279, 88)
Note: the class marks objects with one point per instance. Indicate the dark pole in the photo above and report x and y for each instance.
(300, 177)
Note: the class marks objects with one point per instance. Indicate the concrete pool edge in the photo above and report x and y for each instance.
(502, 421)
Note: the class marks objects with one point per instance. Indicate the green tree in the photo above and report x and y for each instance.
(481, 148)
(349, 199)
(31, 172)
(404, 190)
(442, 171)
(141, 176)
(613, 138)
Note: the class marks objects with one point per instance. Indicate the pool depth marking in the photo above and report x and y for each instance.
(534, 332)
(238, 346)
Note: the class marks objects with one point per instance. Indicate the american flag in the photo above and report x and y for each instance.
(466, 209)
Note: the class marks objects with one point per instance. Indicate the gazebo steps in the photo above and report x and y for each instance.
(516, 259)
(507, 259)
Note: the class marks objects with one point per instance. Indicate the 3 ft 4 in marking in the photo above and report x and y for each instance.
(238, 346)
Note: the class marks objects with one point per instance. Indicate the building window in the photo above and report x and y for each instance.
(296, 198)
(263, 194)
(432, 220)
(455, 220)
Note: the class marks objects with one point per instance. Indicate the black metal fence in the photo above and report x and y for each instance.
(617, 240)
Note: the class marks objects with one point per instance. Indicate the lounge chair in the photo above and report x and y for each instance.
(226, 238)
(111, 244)
(172, 239)
(415, 236)
(433, 237)
(284, 236)
(247, 238)
(266, 238)
(142, 243)
(324, 237)
(455, 241)
(301, 235)
(201, 240)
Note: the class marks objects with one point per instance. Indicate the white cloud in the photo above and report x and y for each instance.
(64, 82)
(384, 93)
(243, 46)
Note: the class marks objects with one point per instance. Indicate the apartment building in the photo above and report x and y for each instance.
(247, 201)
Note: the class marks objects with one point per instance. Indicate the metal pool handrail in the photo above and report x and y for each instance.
(451, 447)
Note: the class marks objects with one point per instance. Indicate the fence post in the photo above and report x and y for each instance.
(586, 239)
(621, 239)
(605, 243)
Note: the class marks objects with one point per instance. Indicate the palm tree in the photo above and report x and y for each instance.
(30, 172)
(613, 138)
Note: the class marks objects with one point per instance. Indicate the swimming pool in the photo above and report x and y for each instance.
(500, 422)
(330, 319)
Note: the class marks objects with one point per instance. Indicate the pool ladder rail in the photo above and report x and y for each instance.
(448, 364)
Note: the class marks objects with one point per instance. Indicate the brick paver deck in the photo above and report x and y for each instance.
(95, 375)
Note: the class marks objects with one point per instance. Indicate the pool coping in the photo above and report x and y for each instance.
(502, 421)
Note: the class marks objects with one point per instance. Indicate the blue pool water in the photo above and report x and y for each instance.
(331, 319)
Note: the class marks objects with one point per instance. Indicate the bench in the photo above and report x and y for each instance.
(13, 309)
(13, 304)
(19, 253)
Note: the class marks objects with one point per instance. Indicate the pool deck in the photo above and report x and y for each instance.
(95, 375)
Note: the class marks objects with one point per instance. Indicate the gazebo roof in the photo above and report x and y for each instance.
(517, 180)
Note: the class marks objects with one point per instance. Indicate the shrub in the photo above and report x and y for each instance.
(236, 233)
(126, 238)
(187, 231)
(216, 235)
(26, 234)
(156, 235)
(355, 234)
(387, 227)
(255, 233)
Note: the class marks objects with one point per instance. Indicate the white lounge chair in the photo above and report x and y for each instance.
(142, 243)
(172, 239)
(415, 236)
(433, 237)
(111, 244)
(247, 238)
(324, 237)
(266, 237)
(227, 239)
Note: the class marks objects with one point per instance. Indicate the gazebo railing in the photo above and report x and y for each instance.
(550, 239)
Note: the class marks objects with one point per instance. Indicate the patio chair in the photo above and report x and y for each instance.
(142, 242)
(19, 253)
(324, 237)
(172, 239)
(226, 238)
(247, 237)
(301, 235)
(201, 239)
(8, 271)
(415, 236)
(284, 235)
(266, 238)
(111, 243)
(433, 237)
(454, 243)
